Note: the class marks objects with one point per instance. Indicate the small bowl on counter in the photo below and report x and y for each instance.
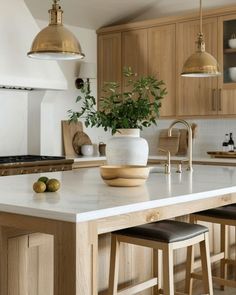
(124, 175)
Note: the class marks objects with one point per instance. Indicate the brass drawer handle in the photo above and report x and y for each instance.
(213, 100)
(220, 100)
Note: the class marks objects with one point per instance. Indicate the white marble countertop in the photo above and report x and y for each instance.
(83, 195)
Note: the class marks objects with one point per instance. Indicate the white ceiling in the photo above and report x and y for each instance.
(94, 14)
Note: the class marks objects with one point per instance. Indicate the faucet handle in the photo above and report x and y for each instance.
(167, 164)
(179, 167)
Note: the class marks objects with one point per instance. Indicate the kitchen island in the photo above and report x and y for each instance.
(85, 208)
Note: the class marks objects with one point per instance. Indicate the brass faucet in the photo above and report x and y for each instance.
(167, 164)
(190, 140)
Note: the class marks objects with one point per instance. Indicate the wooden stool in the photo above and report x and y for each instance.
(225, 216)
(165, 236)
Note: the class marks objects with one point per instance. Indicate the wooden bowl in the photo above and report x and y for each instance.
(125, 176)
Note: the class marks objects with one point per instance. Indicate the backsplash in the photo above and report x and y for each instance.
(209, 136)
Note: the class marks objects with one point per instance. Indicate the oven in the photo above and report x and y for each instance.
(26, 164)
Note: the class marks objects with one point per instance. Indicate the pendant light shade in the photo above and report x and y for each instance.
(55, 41)
(200, 64)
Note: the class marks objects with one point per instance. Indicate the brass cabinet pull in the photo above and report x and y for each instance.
(213, 100)
(220, 100)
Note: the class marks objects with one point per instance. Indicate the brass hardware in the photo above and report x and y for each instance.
(220, 100)
(190, 141)
(167, 164)
(55, 41)
(201, 63)
(179, 168)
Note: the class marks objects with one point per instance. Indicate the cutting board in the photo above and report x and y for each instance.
(68, 132)
(218, 154)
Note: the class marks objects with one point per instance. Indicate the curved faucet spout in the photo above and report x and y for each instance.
(190, 140)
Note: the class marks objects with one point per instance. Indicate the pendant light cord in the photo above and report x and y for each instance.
(201, 17)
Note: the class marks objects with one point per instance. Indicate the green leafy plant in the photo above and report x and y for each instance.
(137, 107)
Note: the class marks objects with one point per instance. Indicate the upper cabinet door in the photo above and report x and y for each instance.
(109, 60)
(196, 96)
(162, 63)
(134, 52)
(227, 60)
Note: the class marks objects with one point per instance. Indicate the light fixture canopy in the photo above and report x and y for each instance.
(200, 64)
(55, 41)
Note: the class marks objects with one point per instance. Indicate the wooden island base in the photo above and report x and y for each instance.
(75, 248)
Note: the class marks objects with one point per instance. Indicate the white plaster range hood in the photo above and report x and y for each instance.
(17, 31)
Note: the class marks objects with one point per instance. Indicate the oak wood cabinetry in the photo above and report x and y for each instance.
(146, 51)
(164, 45)
(227, 58)
(134, 53)
(195, 96)
(109, 57)
(162, 61)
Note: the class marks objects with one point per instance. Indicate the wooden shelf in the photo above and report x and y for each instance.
(230, 50)
(229, 85)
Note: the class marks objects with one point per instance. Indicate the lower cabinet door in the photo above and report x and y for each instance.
(30, 265)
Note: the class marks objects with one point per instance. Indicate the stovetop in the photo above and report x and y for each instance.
(28, 158)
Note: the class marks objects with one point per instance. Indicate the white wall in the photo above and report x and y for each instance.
(13, 122)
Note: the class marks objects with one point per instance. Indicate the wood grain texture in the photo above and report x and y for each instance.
(109, 60)
(79, 139)
(68, 132)
(134, 53)
(162, 63)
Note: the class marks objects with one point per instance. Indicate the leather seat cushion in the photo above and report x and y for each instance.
(225, 212)
(168, 231)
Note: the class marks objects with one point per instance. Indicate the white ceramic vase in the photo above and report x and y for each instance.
(126, 147)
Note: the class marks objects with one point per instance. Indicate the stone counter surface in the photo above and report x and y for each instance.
(84, 196)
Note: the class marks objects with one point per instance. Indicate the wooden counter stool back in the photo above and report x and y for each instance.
(225, 216)
(165, 236)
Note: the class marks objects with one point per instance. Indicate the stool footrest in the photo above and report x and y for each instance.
(216, 280)
(139, 287)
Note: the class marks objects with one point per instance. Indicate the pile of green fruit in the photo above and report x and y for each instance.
(44, 184)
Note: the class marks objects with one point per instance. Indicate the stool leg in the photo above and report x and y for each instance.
(224, 249)
(189, 270)
(157, 270)
(114, 266)
(168, 270)
(206, 265)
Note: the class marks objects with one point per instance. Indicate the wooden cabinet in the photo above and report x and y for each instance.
(134, 53)
(196, 96)
(160, 47)
(146, 51)
(30, 265)
(109, 60)
(162, 63)
(227, 60)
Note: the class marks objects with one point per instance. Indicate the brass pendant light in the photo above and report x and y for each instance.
(55, 41)
(200, 64)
